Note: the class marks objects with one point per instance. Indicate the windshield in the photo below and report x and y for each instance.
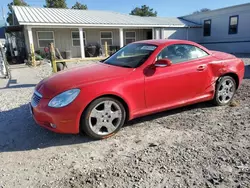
(132, 55)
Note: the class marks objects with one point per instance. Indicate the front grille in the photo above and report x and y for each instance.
(36, 99)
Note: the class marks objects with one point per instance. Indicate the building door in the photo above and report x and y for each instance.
(149, 35)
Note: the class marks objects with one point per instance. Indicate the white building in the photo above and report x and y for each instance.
(226, 29)
(71, 30)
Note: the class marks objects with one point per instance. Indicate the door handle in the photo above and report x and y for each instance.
(201, 67)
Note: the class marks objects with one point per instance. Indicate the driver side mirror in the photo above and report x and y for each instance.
(163, 63)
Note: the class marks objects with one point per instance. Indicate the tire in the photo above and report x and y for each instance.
(225, 91)
(103, 118)
(59, 66)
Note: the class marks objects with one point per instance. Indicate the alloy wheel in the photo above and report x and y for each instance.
(105, 117)
(226, 91)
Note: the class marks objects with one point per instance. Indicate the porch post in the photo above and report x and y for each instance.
(30, 37)
(162, 33)
(158, 33)
(81, 43)
(153, 33)
(121, 37)
(31, 45)
(187, 32)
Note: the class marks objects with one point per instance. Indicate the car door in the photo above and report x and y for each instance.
(184, 80)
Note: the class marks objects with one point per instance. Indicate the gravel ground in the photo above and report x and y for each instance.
(196, 146)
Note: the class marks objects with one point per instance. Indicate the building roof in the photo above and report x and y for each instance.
(220, 9)
(91, 18)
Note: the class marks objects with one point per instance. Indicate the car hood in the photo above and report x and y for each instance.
(222, 55)
(77, 77)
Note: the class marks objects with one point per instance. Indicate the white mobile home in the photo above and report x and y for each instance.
(226, 29)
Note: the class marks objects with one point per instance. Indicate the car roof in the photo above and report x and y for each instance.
(165, 41)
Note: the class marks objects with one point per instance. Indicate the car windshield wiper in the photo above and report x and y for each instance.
(126, 66)
(118, 65)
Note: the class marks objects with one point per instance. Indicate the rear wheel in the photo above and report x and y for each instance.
(103, 118)
(225, 90)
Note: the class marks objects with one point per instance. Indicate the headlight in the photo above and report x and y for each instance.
(64, 98)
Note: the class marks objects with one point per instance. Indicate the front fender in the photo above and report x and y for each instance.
(129, 89)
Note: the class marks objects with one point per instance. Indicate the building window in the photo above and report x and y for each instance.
(130, 36)
(233, 24)
(45, 38)
(106, 36)
(207, 28)
(76, 38)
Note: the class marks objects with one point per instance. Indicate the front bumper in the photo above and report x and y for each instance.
(65, 119)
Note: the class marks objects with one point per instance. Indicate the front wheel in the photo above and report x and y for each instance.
(103, 118)
(225, 90)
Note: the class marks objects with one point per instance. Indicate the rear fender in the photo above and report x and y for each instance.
(216, 69)
(220, 67)
(227, 67)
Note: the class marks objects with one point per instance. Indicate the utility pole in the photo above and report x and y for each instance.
(12, 13)
(5, 24)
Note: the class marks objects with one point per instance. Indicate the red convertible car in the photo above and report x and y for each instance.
(142, 78)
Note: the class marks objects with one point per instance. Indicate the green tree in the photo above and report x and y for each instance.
(79, 6)
(201, 10)
(15, 3)
(144, 11)
(55, 4)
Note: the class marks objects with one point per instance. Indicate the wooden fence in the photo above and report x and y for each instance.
(54, 61)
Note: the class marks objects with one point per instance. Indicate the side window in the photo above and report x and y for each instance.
(196, 52)
(169, 53)
(181, 53)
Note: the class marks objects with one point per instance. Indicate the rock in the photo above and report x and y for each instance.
(100, 183)
(102, 176)
(236, 123)
(89, 181)
(159, 122)
(234, 103)
(242, 167)
(137, 141)
(153, 144)
(96, 177)
(178, 175)
(163, 167)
